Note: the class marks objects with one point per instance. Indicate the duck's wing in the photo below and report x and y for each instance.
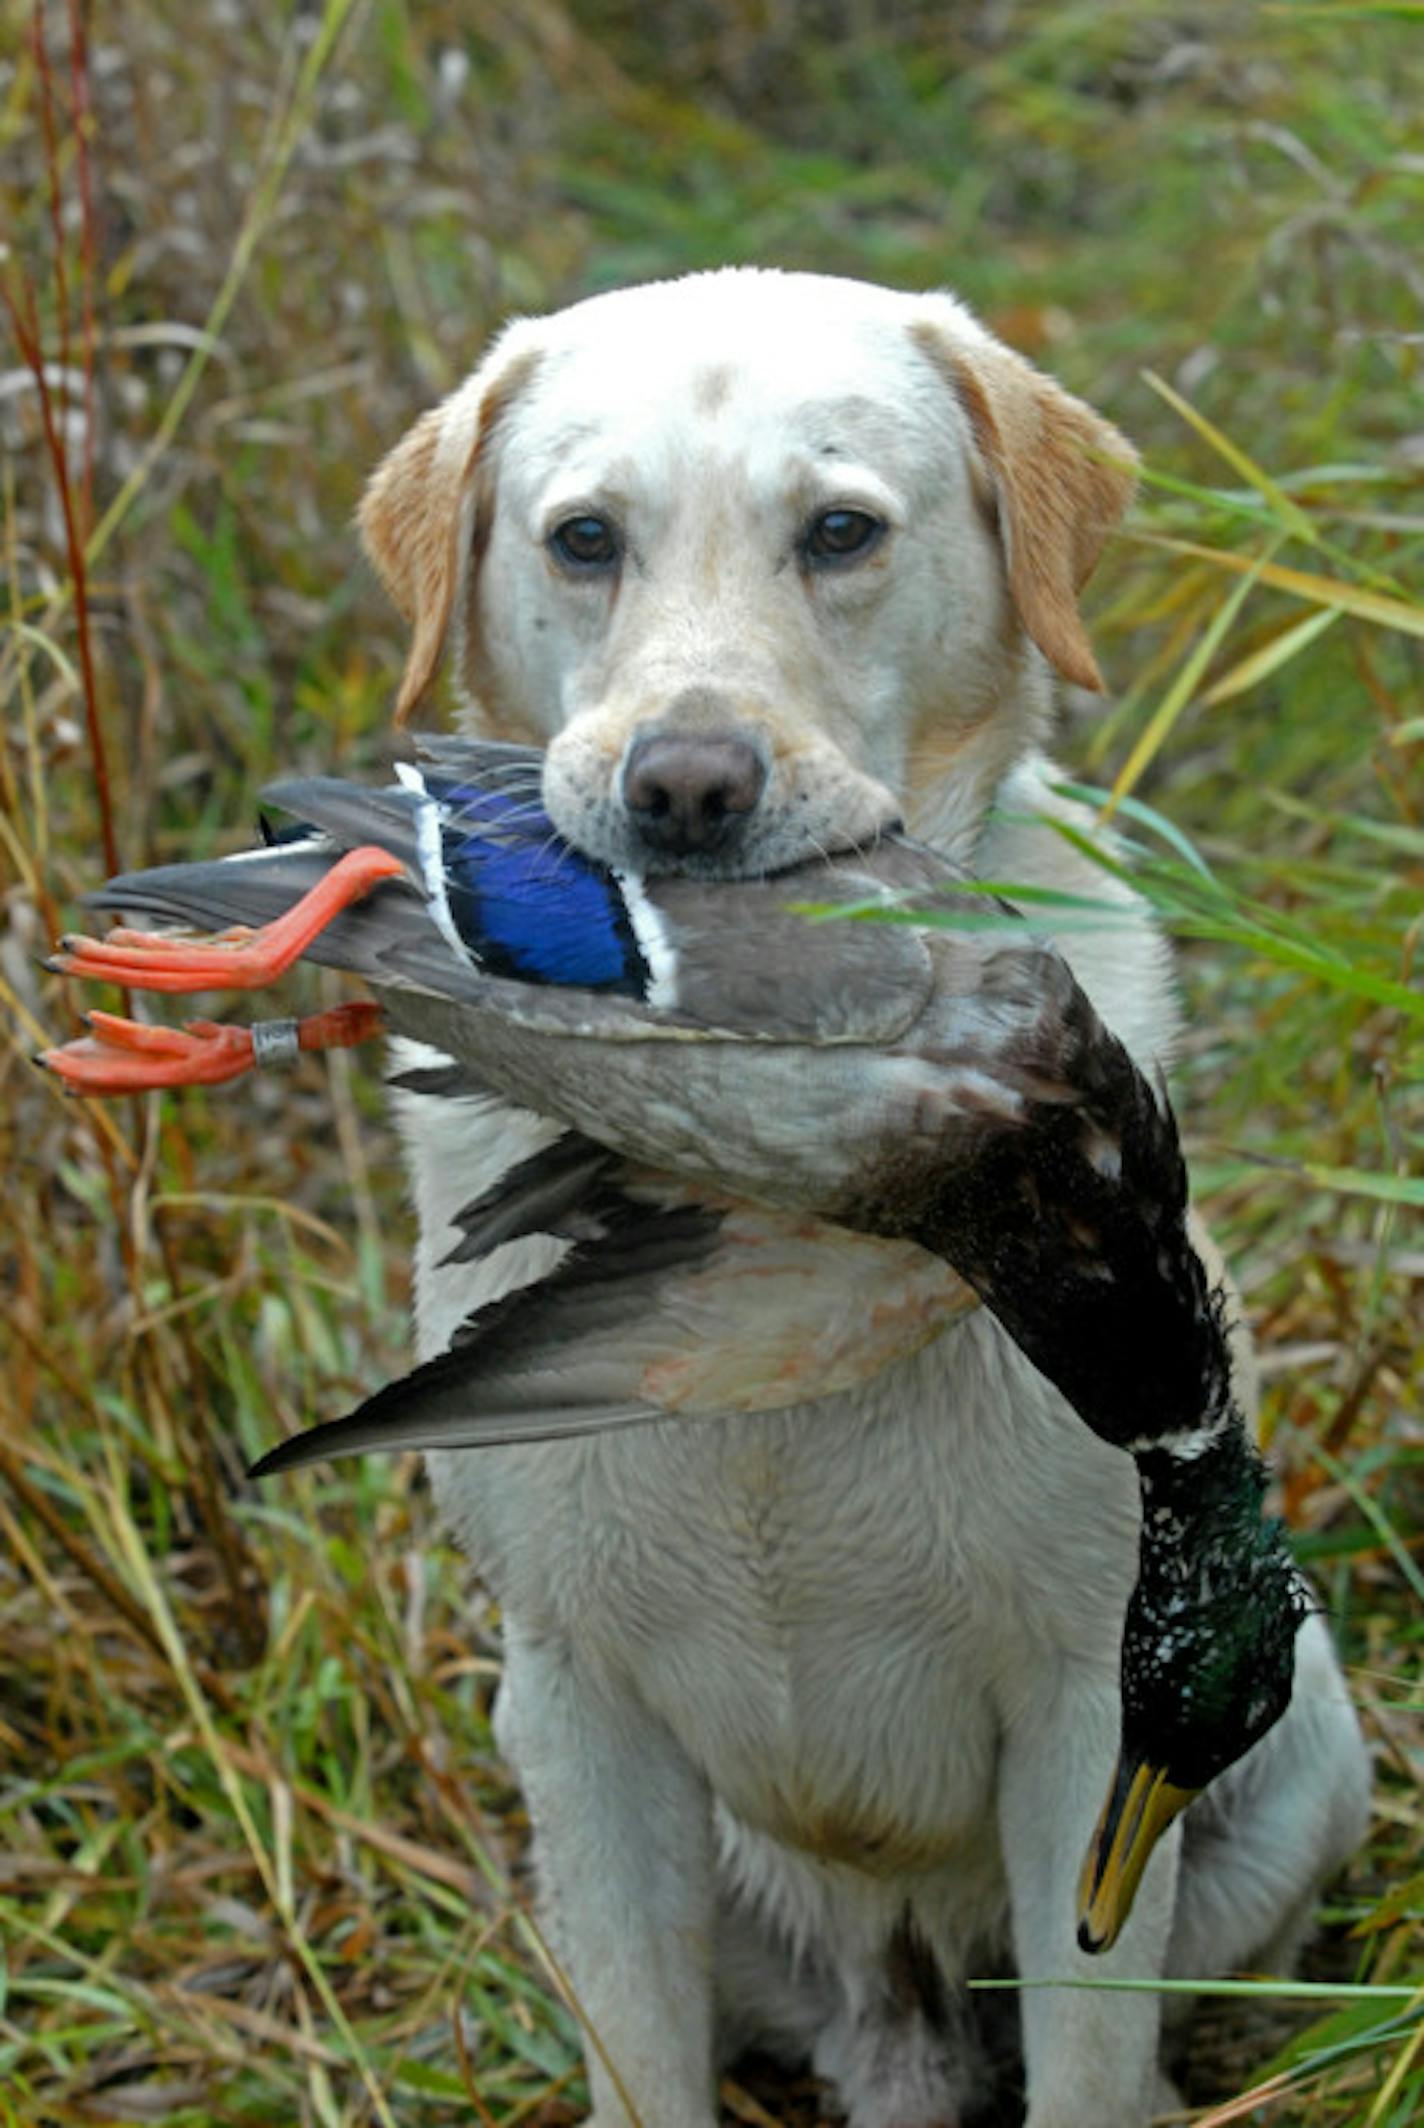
(668, 1305)
(350, 814)
(739, 961)
(748, 957)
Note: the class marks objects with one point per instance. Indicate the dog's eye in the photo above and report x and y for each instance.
(836, 535)
(586, 542)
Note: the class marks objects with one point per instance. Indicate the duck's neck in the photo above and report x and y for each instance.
(1215, 1577)
(1205, 1488)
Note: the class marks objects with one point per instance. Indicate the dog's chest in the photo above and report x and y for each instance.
(828, 1607)
(811, 1616)
(834, 1608)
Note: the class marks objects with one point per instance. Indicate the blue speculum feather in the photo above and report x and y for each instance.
(525, 903)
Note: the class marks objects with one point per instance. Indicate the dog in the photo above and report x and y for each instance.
(814, 1710)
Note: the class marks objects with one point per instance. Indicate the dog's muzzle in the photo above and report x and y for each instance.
(691, 794)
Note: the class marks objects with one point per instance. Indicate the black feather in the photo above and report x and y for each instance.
(1070, 1224)
(500, 1382)
(537, 1196)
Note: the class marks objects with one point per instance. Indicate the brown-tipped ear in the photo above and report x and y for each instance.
(1062, 477)
(426, 509)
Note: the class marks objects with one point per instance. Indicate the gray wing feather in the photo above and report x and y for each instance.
(550, 1360)
(209, 895)
(352, 815)
(387, 1426)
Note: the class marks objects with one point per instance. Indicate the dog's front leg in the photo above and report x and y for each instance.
(623, 1854)
(1090, 2056)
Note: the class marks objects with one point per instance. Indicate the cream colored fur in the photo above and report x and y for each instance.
(784, 1691)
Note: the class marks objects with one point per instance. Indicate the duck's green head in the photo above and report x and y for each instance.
(1208, 1655)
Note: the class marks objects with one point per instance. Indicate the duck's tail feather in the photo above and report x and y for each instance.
(253, 887)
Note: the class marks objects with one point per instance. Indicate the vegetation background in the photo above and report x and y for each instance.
(258, 1860)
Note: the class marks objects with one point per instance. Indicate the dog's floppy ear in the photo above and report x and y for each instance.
(1061, 477)
(427, 507)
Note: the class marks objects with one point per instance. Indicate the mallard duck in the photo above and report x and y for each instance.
(947, 1093)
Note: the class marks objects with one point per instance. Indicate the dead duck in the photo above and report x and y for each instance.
(950, 1094)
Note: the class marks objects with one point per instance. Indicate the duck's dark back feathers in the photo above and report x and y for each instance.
(1071, 1225)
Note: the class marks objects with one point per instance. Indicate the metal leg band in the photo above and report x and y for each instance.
(276, 1044)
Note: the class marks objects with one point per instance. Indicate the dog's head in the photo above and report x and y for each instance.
(767, 560)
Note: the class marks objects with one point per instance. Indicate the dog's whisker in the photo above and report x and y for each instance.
(553, 846)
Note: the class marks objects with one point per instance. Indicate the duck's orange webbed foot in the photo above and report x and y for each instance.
(120, 1056)
(240, 959)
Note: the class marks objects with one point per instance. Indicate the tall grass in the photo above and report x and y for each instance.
(258, 1859)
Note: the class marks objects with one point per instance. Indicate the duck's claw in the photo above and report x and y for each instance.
(121, 1056)
(240, 959)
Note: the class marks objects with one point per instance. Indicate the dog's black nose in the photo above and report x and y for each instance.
(690, 792)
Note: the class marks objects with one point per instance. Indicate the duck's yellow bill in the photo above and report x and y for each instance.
(1141, 1804)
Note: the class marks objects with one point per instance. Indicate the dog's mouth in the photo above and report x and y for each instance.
(786, 821)
(752, 855)
(759, 857)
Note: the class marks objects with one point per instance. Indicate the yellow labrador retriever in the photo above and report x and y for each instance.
(814, 1711)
